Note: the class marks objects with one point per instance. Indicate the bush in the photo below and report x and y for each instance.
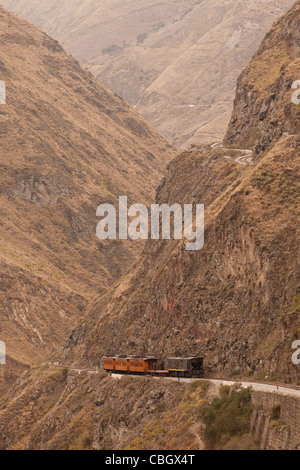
(275, 412)
(199, 385)
(224, 391)
(87, 442)
(234, 373)
(227, 416)
(161, 407)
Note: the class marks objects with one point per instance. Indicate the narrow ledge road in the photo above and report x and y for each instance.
(279, 388)
(244, 156)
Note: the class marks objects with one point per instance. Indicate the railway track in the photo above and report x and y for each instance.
(273, 387)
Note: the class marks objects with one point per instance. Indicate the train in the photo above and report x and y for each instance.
(186, 367)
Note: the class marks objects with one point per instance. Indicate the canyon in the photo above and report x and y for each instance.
(235, 302)
(176, 61)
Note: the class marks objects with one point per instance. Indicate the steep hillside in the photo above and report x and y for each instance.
(66, 145)
(115, 414)
(177, 61)
(236, 300)
(263, 110)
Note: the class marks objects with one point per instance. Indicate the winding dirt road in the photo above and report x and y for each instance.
(244, 156)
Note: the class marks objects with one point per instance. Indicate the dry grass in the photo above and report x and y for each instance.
(67, 145)
(172, 427)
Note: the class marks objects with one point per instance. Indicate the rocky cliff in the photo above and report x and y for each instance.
(263, 108)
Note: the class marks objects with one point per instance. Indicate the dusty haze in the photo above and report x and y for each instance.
(177, 61)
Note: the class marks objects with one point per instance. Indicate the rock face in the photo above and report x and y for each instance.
(264, 110)
(67, 144)
(176, 60)
(35, 318)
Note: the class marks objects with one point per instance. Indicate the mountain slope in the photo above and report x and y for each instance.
(263, 110)
(177, 60)
(237, 300)
(67, 144)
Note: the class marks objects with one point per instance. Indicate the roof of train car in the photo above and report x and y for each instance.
(130, 357)
(147, 358)
(180, 358)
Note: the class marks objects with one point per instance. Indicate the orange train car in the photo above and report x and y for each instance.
(109, 363)
(116, 363)
(177, 366)
(142, 365)
(130, 364)
(122, 364)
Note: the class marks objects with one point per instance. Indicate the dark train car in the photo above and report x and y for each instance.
(186, 366)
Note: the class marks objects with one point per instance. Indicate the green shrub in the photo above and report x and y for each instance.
(234, 373)
(224, 391)
(227, 416)
(275, 412)
(161, 407)
(199, 385)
